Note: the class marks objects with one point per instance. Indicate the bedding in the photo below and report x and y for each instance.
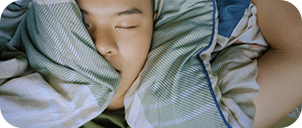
(166, 86)
(62, 88)
(234, 94)
(47, 79)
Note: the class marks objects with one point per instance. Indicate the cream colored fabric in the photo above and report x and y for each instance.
(174, 88)
(247, 31)
(236, 69)
(30, 100)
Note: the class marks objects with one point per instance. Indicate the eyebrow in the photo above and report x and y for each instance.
(130, 12)
(127, 12)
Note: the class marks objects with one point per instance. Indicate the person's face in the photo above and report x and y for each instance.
(122, 33)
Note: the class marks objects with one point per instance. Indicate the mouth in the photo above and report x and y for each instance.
(118, 71)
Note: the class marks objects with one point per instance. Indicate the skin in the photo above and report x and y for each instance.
(280, 68)
(124, 41)
(122, 33)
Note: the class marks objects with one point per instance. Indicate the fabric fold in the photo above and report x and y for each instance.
(46, 77)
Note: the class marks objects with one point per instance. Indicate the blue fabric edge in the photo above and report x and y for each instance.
(205, 70)
(226, 8)
(83, 19)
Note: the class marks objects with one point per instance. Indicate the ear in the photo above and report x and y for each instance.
(155, 15)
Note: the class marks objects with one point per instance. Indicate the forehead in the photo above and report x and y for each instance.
(112, 5)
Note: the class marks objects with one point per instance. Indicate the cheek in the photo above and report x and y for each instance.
(135, 52)
(140, 42)
(143, 46)
(137, 46)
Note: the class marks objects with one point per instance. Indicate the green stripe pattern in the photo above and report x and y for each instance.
(175, 91)
(56, 41)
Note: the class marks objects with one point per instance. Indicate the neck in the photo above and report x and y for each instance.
(116, 104)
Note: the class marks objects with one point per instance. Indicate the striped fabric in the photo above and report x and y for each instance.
(68, 83)
(174, 87)
(52, 76)
(57, 41)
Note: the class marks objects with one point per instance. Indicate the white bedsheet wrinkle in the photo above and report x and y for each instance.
(57, 104)
(236, 68)
(29, 95)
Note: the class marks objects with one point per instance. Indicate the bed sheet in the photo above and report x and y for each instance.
(57, 94)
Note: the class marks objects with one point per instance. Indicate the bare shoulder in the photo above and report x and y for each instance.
(281, 24)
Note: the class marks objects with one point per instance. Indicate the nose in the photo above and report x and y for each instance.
(105, 43)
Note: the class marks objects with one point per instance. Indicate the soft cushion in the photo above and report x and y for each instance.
(175, 89)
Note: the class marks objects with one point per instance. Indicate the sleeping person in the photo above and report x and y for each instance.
(154, 60)
(122, 33)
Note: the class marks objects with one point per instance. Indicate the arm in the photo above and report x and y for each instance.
(280, 69)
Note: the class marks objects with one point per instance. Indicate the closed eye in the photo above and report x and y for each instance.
(130, 27)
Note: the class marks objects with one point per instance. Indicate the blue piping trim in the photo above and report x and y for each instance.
(206, 73)
(84, 22)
